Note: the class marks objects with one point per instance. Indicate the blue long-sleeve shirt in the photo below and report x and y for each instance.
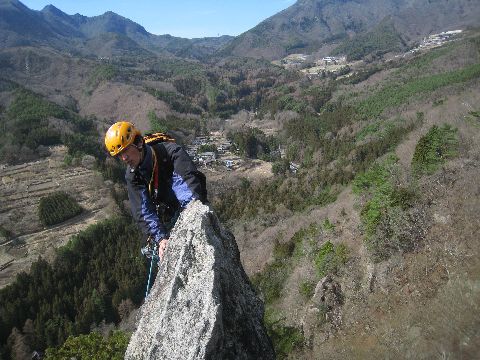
(179, 182)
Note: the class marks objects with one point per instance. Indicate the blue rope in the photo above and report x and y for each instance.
(152, 260)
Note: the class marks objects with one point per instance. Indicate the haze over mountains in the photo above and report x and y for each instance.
(306, 26)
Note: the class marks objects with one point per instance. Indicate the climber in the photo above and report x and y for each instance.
(161, 179)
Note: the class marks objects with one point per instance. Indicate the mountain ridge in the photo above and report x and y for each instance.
(308, 25)
(20, 26)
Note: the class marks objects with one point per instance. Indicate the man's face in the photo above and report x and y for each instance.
(131, 156)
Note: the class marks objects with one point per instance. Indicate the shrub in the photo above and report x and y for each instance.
(171, 122)
(397, 230)
(433, 149)
(285, 338)
(28, 108)
(112, 170)
(207, 148)
(57, 207)
(327, 225)
(280, 167)
(91, 346)
(330, 258)
(5, 233)
(176, 101)
(79, 144)
(306, 289)
(390, 222)
(252, 142)
(271, 280)
(102, 73)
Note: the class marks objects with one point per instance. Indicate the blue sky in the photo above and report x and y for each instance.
(184, 18)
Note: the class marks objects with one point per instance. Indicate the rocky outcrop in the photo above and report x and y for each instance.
(202, 305)
(324, 307)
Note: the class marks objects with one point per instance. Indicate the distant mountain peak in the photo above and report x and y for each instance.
(50, 9)
(310, 26)
(20, 26)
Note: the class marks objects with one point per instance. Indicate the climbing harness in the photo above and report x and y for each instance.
(150, 251)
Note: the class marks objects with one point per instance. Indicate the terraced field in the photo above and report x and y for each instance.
(22, 187)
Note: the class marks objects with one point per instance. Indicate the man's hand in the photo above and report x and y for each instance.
(161, 247)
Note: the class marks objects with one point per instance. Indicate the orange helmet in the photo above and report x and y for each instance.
(119, 136)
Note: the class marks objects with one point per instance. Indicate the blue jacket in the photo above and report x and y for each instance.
(179, 182)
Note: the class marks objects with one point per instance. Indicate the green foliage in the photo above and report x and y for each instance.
(172, 68)
(188, 86)
(84, 285)
(102, 73)
(280, 167)
(377, 175)
(310, 130)
(424, 61)
(384, 38)
(57, 207)
(433, 149)
(285, 338)
(318, 96)
(396, 94)
(367, 130)
(327, 225)
(361, 75)
(271, 280)
(27, 124)
(330, 258)
(80, 144)
(5, 233)
(306, 289)
(28, 108)
(253, 143)
(312, 186)
(289, 102)
(295, 45)
(113, 169)
(171, 122)
(247, 201)
(176, 101)
(91, 346)
(475, 114)
(28, 120)
(376, 181)
(388, 224)
(207, 148)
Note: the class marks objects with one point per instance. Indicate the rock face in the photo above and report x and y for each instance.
(202, 305)
(325, 306)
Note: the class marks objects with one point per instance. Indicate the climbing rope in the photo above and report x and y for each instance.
(151, 252)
